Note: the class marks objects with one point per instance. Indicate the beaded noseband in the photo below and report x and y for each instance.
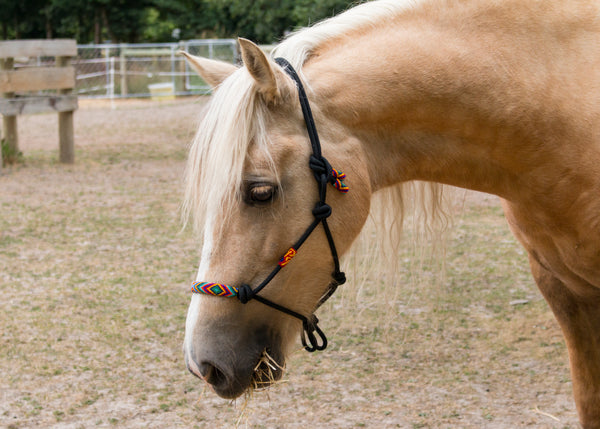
(324, 174)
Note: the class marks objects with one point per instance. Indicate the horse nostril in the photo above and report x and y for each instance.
(212, 374)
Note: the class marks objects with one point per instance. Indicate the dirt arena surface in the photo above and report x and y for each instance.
(95, 273)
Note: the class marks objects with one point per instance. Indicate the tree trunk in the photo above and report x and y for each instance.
(48, 24)
(105, 21)
(97, 27)
(17, 29)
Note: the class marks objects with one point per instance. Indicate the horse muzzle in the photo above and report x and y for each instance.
(250, 363)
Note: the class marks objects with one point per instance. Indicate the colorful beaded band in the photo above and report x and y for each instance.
(287, 257)
(215, 289)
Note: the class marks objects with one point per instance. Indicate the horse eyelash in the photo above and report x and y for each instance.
(249, 186)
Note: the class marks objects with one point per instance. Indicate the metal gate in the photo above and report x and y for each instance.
(142, 70)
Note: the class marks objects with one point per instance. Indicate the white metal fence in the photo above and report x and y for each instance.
(141, 70)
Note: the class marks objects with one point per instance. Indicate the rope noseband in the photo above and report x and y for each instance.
(324, 174)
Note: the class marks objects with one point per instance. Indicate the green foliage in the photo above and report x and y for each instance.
(264, 21)
(156, 29)
(9, 154)
(307, 12)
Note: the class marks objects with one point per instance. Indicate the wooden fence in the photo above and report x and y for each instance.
(21, 88)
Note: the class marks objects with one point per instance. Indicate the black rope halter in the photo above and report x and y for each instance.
(324, 174)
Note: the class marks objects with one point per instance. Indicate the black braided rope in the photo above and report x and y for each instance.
(313, 338)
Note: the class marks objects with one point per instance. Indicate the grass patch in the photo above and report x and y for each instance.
(10, 155)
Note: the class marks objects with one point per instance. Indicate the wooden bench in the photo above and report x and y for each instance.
(20, 86)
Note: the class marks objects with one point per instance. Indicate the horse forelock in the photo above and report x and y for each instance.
(233, 121)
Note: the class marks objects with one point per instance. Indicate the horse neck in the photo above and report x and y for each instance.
(430, 103)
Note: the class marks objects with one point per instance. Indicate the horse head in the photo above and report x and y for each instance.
(252, 195)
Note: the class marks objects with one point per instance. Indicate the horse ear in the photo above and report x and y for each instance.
(272, 83)
(212, 71)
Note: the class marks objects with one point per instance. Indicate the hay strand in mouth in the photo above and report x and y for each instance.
(262, 378)
(243, 415)
(270, 361)
(264, 371)
(201, 396)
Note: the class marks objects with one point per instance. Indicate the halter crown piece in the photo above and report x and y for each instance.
(324, 174)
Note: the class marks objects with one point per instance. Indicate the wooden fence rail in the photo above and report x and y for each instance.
(19, 86)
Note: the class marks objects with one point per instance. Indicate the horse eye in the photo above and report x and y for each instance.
(260, 193)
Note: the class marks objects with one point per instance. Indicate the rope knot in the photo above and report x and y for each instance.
(319, 165)
(339, 277)
(245, 293)
(324, 172)
(322, 211)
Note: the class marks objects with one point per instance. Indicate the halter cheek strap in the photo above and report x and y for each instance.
(312, 336)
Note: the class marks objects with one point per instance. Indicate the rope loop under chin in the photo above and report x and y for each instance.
(309, 340)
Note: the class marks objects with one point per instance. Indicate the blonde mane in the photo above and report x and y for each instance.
(299, 46)
(235, 119)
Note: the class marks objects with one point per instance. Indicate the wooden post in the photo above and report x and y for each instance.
(31, 79)
(9, 123)
(1, 161)
(65, 124)
(1, 131)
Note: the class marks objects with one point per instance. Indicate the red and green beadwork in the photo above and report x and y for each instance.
(285, 259)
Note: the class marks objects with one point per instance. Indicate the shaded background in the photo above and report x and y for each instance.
(135, 21)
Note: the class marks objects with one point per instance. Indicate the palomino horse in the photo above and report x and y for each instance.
(497, 96)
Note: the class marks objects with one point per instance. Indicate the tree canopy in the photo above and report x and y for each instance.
(134, 21)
